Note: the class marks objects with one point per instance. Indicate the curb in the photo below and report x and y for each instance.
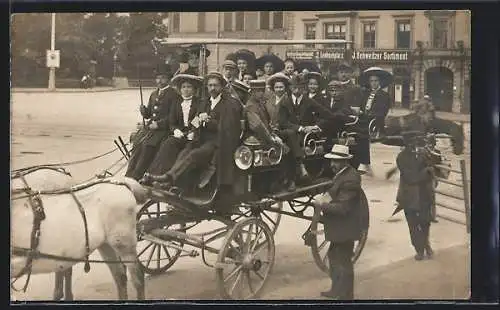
(74, 90)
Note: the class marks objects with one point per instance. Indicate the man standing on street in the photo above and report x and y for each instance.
(415, 193)
(345, 217)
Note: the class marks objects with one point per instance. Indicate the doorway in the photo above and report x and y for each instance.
(439, 85)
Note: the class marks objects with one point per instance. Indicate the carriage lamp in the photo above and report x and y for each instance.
(243, 157)
(258, 158)
(274, 155)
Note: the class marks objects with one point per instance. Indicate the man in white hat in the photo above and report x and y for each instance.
(344, 216)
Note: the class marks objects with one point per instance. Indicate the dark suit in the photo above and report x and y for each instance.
(345, 217)
(220, 134)
(273, 107)
(259, 120)
(157, 110)
(379, 109)
(172, 146)
(416, 196)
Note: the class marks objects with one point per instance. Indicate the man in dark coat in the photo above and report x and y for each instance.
(376, 103)
(219, 126)
(345, 217)
(156, 115)
(416, 193)
(297, 117)
(181, 114)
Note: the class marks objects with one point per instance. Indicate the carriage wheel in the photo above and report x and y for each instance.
(245, 260)
(320, 245)
(154, 258)
(268, 216)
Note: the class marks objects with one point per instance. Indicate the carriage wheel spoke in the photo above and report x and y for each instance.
(249, 236)
(259, 275)
(256, 240)
(148, 214)
(166, 252)
(151, 255)
(233, 273)
(145, 248)
(260, 247)
(235, 283)
(158, 209)
(249, 281)
(158, 256)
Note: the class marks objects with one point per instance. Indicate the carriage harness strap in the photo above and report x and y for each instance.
(38, 217)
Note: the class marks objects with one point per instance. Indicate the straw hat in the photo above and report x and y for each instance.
(278, 77)
(196, 81)
(385, 77)
(216, 75)
(339, 151)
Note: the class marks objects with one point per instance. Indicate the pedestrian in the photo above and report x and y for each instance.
(416, 192)
(345, 216)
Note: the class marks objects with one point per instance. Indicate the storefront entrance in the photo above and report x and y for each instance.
(439, 85)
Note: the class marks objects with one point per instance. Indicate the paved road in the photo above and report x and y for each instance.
(60, 127)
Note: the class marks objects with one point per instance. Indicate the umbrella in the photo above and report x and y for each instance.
(384, 76)
(308, 65)
(278, 64)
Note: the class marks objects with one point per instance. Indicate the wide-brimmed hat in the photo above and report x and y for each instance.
(216, 75)
(334, 84)
(196, 81)
(240, 86)
(257, 84)
(229, 63)
(246, 55)
(278, 64)
(385, 77)
(278, 77)
(412, 136)
(310, 66)
(339, 151)
(195, 48)
(163, 69)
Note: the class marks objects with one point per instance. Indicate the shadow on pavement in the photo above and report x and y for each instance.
(446, 276)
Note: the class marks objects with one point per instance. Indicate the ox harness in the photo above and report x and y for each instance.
(37, 208)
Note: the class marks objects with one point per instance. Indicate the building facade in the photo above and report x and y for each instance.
(428, 52)
(233, 25)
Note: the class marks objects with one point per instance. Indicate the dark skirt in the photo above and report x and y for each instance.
(167, 155)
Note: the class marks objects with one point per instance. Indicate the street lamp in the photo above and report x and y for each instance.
(115, 64)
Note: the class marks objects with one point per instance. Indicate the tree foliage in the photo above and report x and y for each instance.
(84, 39)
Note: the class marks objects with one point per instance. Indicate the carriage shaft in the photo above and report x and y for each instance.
(292, 214)
(184, 238)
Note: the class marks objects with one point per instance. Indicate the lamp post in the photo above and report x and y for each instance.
(420, 51)
(52, 69)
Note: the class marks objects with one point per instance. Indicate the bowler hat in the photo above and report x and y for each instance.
(339, 151)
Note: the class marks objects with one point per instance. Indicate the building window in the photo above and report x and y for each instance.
(228, 21)
(440, 33)
(403, 34)
(278, 20)
(369, 35)
(310, 33)
(240, 21)
(201, 21)
(264, 20)
(335, 31)
(176, 22)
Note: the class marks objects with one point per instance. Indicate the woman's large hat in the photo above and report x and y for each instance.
(278, 77)
(278, 64)
(384, 76)
(339, 151)
(195, 48)
(196, 81)
(310, 66)
(246, 55)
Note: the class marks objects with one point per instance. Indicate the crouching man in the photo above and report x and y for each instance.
(345, 216)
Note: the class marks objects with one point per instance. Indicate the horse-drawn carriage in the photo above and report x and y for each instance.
(250, 214)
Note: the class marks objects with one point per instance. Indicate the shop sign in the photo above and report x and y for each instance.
(302, 54)
(331, 54)
(381, 56)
